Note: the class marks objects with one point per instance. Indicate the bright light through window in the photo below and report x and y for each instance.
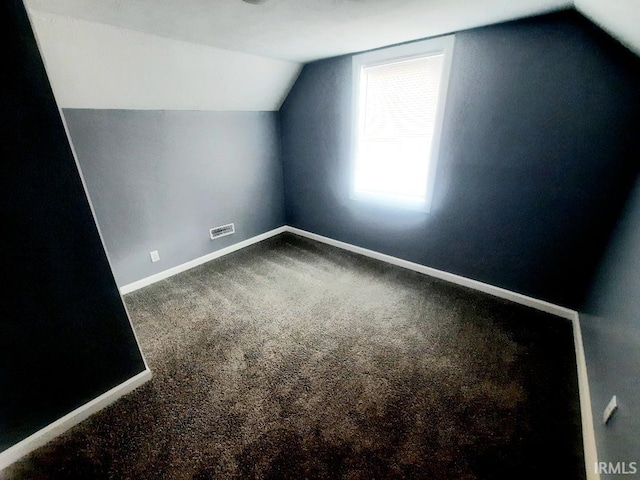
(399, 111)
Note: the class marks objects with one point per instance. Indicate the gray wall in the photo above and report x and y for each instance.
(65, 337)
(160, 179)
(537, 158)
(611, 334)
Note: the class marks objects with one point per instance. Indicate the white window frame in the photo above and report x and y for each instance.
(441, 45)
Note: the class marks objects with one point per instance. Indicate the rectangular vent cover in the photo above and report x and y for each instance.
(218, 232)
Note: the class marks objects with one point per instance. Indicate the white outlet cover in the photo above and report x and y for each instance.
(611, 407)
(155, 256)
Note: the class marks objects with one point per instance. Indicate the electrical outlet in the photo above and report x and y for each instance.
(611, 407)
(155, 256)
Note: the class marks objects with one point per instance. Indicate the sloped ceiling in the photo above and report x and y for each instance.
(297, 30)
(266, 44)
(92, 65)
(621, 18)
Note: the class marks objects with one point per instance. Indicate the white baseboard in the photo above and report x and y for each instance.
(449, 277)
(132, 287)
(46, 434)
(63, 424)
(588, 432)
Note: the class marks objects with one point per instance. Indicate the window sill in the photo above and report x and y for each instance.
(390, 202)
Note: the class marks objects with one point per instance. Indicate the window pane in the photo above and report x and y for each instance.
(398, 112)
(393, 167)
(402, 97)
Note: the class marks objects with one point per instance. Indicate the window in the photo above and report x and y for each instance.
(399, 96)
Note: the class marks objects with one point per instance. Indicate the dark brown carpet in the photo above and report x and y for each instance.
(293, 359)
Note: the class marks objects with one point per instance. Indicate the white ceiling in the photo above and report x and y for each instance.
(297, 30)
(92, 65)
(621, 18)
(231, 55)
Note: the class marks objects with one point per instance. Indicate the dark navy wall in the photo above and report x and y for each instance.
(538, 155)
(65, 337)
(159, 180)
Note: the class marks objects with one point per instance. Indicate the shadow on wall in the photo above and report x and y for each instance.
(537, 158)
(58, 286)
(611, 333)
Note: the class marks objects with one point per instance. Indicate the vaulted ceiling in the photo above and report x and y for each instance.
(297, 30)
(161, 53)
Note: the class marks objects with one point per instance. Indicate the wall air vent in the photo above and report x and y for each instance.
(218, 232)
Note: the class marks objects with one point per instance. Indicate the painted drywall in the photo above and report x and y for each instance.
(537, 159)
(100, 66)
(301, 30)
(160, 179)
(611, 333)
(327, 28)
(65, 337)
(618, 17)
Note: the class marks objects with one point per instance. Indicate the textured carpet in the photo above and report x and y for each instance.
(293, 359)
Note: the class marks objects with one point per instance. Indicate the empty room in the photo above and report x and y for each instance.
(333, 239)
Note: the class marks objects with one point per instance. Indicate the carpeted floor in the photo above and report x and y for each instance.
(293, 359)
